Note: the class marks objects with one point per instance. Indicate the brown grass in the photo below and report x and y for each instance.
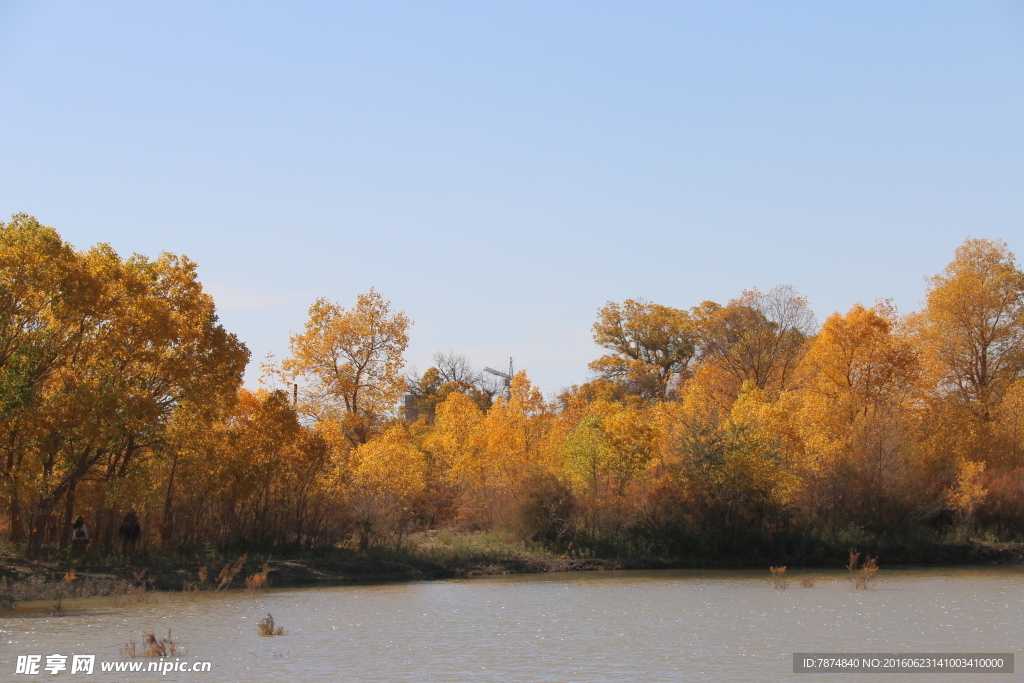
(153, 647)
(266, 627)
(807, 581)
(862, 575)
(779, 577)
(116, 597)
(228, 573)
(259, 583)
(142, 593)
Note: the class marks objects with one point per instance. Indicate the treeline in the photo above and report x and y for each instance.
(120, 391)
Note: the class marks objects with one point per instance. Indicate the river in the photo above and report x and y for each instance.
(668, 625)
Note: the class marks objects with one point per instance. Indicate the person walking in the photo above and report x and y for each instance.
(130, 531)
(79, 535)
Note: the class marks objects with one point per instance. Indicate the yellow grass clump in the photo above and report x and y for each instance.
(862, 575)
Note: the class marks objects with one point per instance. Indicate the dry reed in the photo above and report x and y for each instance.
(228, 573)
(143, 592)
(116, 597)
(266, 627)
(862, 575)
(259, 583)
(153, 647)
(779, 577)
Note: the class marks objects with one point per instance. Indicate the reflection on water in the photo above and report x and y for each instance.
(615, 626)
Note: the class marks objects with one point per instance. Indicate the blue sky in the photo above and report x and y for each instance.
(501, 170)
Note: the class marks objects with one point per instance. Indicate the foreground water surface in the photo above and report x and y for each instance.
(668, 625)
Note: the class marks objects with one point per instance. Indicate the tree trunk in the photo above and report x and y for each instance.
(167, 524)
(14, 519)
(63, 530)
(37, 529)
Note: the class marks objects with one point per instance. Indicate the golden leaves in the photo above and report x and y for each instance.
(972, 327)
(455, 440)
(388, 466)
(350, 361)
(649, 344)
(610, 447)
(966, 493)
(97, 354)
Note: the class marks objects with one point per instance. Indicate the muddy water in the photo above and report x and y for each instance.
(604, 626)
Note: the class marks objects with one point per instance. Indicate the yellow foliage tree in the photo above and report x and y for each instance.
(611, 446)
(971, 337)
(649, 346)
(1010, 426)
(512, 438)
(972, 327)
(455, 443)
(966, 493)
(98, 353)
(350, 363)
(861, 385)
(387, 474)
(857, 366)
(758, 337)
(741, 467)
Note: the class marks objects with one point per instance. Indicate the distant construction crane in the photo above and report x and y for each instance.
(506, 376)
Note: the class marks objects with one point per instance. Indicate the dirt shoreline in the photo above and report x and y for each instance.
(24, 580)
(284, 573)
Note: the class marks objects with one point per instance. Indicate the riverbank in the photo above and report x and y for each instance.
(427, 556)
(422, 557)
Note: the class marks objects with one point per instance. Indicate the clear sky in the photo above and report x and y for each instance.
(500, 170)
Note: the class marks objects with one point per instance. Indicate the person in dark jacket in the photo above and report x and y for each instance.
(130, 531)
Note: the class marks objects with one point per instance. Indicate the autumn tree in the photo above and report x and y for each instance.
(254, 477)
(861, 383)
(610, 447)
(972, 326)
(349, 362)
(1010, 426)
(456, 443)
(859, 366)
(758, 338)
(608, 451)
(40, 272)
(101, 352)
(862, 358)
(966, 493)
(451, 372)
(489, 458)
(387, 474)
(649, 345)
(740, 469)
(513, 432)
